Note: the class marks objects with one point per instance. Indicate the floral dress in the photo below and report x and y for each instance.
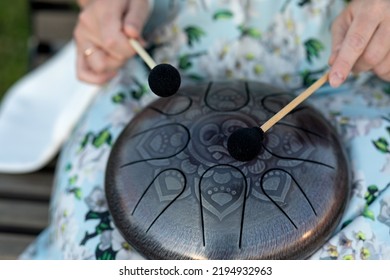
(282, 42)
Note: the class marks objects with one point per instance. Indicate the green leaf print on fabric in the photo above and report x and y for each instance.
(72, 180)
(195, 77)
(103, 137)
(222, 14)
(194, 34)
(309, 77)
(386, 89)
(68, 167)
(368, 213)
(92, 215)
(313, 48)
(138, 93)
(184, 62)
(346, 223)
(371, 194)
(107, 254)
(118, 98)
(73, 189)
(304, 2)
(382, 145)
(85, 141)
(104, 224)
(135, 93)
(250, 32)
(78, 193)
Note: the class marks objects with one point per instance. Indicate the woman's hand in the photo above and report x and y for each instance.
(102, 33)
(361, 40)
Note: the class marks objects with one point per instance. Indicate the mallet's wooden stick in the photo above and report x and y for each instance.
(142, 53)
(294, 103)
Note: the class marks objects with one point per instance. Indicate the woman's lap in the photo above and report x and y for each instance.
(81, 226)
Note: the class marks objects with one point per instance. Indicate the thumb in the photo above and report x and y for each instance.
(135, 18)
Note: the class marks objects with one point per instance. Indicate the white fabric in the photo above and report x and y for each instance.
(39, 111)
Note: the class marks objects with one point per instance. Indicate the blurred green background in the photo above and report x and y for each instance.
(31, 31)
(14, 34)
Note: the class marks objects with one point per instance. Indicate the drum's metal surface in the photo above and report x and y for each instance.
(176, 193)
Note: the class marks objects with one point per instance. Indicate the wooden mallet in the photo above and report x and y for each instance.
(245, 143)
(164, 79)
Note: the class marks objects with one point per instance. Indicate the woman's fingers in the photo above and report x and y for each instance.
(339, 30)
(352, 47)
(111, 37)
(101, 28)
(93, 60)
(376, 51)
(360, 40)
(101, 62)
(135, 18)
(383, 68)
(84, 70)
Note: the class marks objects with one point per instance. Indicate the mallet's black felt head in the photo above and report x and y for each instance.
(245, 143)
(164, 80)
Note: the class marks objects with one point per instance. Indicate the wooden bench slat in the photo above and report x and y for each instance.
(29, 186)
(12, 245)
(23, 216)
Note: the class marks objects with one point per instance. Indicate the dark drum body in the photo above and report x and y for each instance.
(175, 192)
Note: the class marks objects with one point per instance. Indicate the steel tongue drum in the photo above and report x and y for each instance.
(175, 191)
